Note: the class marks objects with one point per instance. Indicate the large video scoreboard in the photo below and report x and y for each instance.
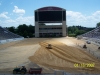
(50, 16)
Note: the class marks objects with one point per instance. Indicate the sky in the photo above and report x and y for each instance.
(79, 12)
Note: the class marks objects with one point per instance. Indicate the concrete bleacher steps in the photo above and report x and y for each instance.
(95, 33)
(10, 40)
(7, 36)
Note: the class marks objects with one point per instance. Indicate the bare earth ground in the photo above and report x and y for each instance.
(62, 57)
(16, 53)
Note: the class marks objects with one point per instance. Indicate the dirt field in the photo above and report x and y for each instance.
(17, 53)
(63, 56)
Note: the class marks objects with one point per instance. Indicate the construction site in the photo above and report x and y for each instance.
(53, 54)
(65, 53)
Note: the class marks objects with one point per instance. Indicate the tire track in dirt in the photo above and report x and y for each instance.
(63, 52)
(62, 57)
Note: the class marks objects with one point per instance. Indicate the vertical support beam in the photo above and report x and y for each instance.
(64, 28)
(37, 25)
(36, 29)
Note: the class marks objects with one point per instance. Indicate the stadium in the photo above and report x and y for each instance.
(67, 55)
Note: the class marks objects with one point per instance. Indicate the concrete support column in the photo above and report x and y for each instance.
(36, 29)
(64, 28)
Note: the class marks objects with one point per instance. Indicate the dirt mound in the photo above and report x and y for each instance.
(65, 57)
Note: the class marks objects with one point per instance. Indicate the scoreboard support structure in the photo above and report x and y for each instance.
(50, 14)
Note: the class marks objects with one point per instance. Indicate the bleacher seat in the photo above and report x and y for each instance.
(95, 33)
(5, 34)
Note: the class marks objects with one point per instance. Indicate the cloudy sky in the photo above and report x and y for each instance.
(79, 12)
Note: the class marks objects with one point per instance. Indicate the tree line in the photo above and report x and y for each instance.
(29, 30)
(73, 31)
(23, 30)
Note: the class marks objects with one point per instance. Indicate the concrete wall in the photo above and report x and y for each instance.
(36, 29)
(51, 31)
(64, 28)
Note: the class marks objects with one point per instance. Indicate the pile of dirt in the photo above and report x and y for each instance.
(63, 57)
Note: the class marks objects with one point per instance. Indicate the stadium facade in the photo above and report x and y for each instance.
(50, 14)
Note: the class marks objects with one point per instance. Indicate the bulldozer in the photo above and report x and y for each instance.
(49, 46)
(84, 46)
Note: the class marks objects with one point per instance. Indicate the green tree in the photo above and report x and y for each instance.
(77, 30)
(98, 24)
(31, 29)
(80, 32)
(25, 34)
(22, 28)
(31, 35)
(12, 29)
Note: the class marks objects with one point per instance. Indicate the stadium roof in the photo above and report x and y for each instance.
(50, 8)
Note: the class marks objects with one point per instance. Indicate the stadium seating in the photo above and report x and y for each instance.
(93, 35)
(5, 34)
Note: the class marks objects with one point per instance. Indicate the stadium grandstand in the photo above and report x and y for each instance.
(7, 36)
(93, 35)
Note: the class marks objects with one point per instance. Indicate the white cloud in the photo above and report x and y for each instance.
(11, 13)
(96, 13)
(73, 18)
(4, 15)
(77, 18)
(18, 11)
(25, 20)
(19, 20)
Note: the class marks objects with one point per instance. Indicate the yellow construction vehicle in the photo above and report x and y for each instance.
(49, 46)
